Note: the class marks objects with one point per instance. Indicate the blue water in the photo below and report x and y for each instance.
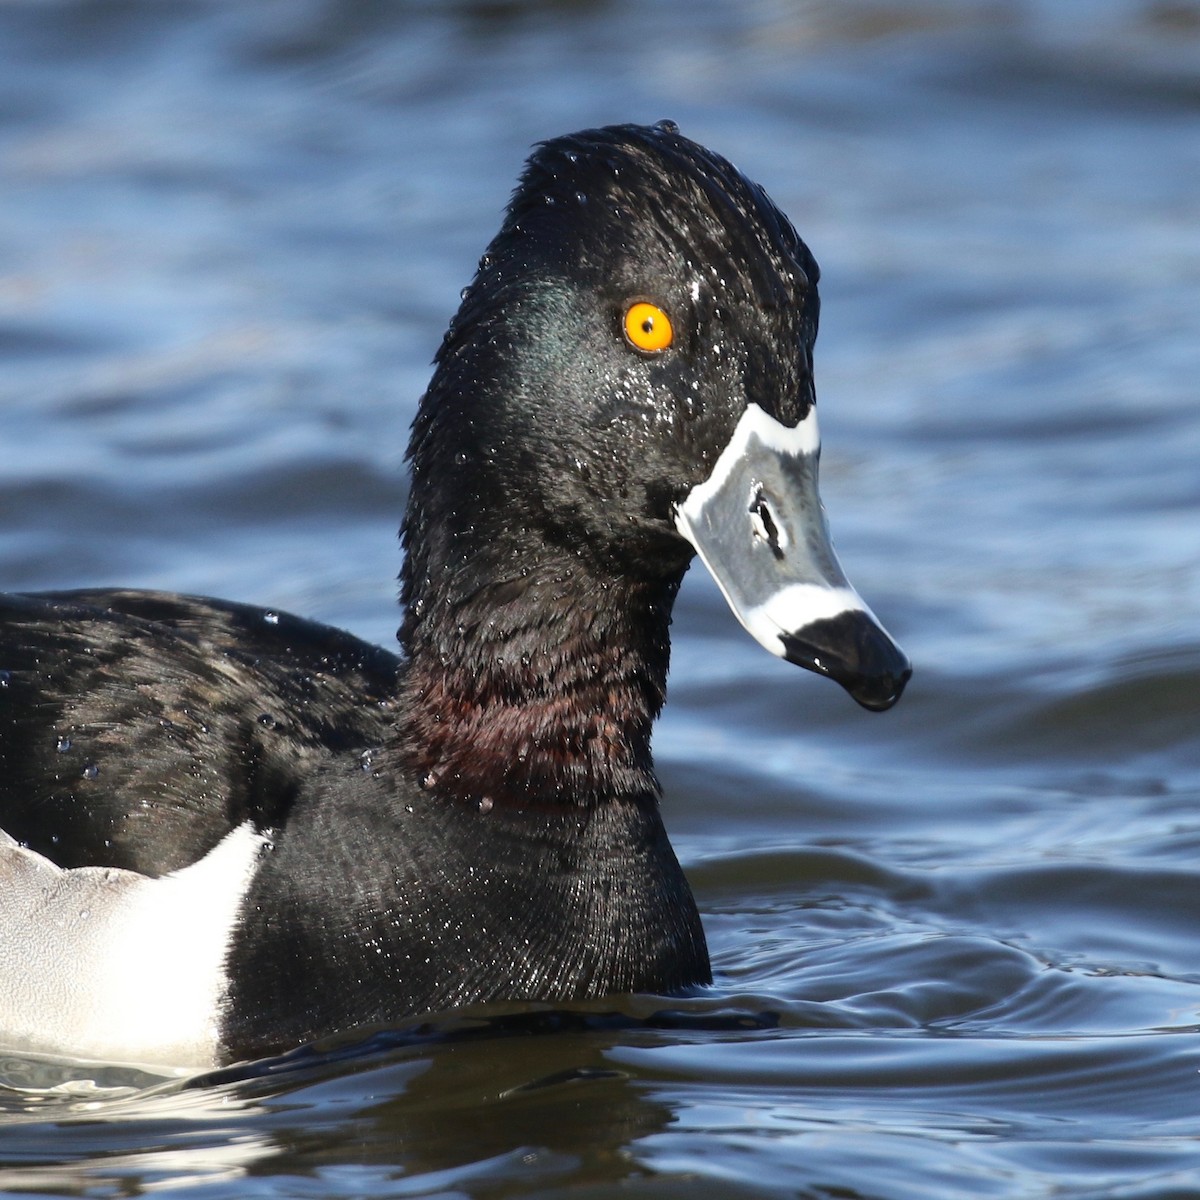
(956, 945)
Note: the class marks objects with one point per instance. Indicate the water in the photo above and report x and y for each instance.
(956, 945)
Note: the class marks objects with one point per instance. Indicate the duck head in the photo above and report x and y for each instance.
(628, 383)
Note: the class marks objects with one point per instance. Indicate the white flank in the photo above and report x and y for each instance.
(102, 963)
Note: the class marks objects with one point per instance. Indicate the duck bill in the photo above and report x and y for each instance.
(759, 527)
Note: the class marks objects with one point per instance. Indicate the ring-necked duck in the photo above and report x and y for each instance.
(230, 830)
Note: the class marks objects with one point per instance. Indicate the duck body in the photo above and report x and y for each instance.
(229, 831)
(218, 777)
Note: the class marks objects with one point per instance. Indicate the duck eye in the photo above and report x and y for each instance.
(647, 327)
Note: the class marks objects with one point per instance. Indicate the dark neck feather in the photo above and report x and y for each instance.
(537, 691)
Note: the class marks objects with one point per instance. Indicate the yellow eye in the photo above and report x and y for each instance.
(647, 327)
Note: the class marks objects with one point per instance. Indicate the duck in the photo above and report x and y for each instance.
(228, 831)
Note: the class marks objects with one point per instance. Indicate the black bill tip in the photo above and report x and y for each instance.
(853, 650)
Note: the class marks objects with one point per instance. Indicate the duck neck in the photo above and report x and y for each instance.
(535, 690)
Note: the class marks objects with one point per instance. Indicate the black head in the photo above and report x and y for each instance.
(542, 413)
